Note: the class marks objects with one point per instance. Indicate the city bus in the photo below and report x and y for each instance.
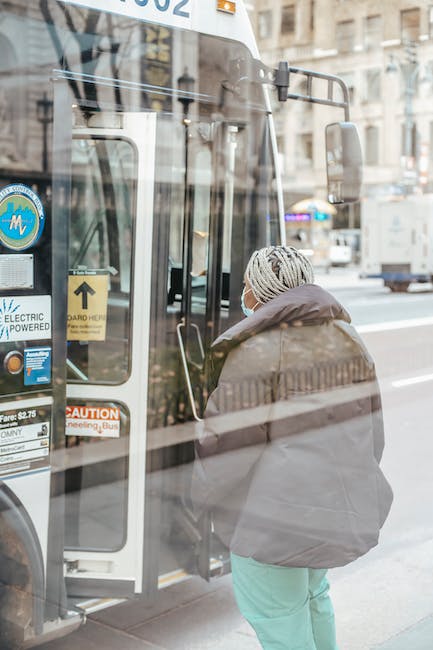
(138, 171)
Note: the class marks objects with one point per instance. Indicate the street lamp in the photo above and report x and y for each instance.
(44, 115)
(185, 84)
(410, 73)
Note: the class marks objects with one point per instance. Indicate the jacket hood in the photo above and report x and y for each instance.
(308, 303)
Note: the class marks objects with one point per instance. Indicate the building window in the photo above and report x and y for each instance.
(407, 77)
(280, 149)
(431, 144)
(409, 22)
(372, 32)
(288, 19)
(264, 24)
(373, 89)
(409, 141)
(349, 80)
(304, 149)
(430, 21)
(345, 36)
(371, 145)
(312, 10)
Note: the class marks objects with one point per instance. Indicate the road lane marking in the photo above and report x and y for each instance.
(394, 325)
(400, 383)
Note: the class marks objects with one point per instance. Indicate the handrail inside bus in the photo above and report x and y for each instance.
(77, 372)
(186, 369)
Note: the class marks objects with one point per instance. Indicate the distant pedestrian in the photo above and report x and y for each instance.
(288, 461)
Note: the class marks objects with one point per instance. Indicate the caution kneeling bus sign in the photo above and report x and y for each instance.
(97, 421)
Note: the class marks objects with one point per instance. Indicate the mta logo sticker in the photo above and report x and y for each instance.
(22, 217)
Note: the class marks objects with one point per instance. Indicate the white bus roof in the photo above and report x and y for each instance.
(199, 16)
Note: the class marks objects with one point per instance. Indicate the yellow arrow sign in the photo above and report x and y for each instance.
(87, 306)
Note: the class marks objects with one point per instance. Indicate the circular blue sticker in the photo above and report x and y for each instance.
(22, 217)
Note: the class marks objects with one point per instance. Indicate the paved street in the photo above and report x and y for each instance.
(383, 601)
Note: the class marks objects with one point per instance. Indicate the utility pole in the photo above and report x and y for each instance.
(409, 74)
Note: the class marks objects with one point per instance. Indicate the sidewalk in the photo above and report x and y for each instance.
(382, 602)
(418, 637)
(346, 278)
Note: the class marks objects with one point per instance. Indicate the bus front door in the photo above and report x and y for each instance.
(104, 190)
(204, 233)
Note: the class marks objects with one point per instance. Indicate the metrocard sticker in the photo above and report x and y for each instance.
(95, 421)
(87, 305)
(25, 318)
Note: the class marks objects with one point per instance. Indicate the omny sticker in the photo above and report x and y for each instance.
(24, 438)
(87, 305)
(25, 318)
(96, 421)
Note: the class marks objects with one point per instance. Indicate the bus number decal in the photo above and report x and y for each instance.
(162, 6)
(177, 11)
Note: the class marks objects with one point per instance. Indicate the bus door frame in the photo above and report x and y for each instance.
(126, 578)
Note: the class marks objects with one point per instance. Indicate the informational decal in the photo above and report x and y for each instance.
(25, 318)
(37, 366)
(22, 217)
(24, 439)
(175, 13)
(16, 272)
(87, 305)
(99, 421)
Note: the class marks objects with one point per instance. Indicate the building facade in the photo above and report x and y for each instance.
(384, 52)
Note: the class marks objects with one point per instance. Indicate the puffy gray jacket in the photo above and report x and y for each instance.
(288, 458)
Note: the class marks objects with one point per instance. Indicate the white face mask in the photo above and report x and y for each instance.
(247, 311)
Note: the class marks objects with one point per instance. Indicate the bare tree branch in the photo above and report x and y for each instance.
(61, 56)
(68, 19)
(113, 63)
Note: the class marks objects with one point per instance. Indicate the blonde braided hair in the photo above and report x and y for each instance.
(275, 269)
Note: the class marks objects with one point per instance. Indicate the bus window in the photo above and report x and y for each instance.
(103, 199)
(96, 478)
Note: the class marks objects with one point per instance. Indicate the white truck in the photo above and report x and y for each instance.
(397, 240)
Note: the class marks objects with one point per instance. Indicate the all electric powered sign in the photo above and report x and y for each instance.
(25, 318)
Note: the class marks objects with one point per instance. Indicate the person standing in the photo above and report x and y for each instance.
(287, 462)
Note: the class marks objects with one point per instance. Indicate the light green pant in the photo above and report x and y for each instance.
(289, 608)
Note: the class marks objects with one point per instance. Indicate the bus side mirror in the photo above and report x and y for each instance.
(343, 162)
